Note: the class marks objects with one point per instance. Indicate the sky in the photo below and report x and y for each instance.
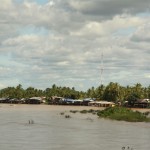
(74, 43)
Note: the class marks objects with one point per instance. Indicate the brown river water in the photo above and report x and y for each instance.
(52, 131)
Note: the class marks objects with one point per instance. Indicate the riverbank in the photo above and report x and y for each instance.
(48, 107)
(60, 107)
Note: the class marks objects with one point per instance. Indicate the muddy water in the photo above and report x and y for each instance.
(52, 131)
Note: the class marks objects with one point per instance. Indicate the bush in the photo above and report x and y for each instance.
(121, 113)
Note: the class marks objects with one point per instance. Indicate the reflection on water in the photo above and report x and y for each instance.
(52, 131)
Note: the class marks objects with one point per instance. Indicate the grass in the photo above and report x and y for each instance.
(124, 114)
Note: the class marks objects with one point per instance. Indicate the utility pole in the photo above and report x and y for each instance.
(102, 68)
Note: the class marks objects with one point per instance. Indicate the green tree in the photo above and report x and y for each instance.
(99, 92)
(112, 92)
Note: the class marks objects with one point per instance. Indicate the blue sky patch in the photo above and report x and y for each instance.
(125, 31)
(33, 30)
(41, 2)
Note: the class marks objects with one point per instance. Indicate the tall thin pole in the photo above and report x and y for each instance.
(102, 68)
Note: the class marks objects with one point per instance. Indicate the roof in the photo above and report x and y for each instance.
(36, 98)
(101, 102)
(143, 101)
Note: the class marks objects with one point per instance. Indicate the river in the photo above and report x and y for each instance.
(52, 131)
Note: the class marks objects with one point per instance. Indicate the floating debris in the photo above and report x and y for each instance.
(31, 121)
(62, 113)
(67, 116)
(127, 148)
(90, 119)
(73, 111)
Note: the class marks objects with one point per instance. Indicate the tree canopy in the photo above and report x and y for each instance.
(111, 92)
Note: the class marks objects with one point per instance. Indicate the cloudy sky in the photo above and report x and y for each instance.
(43, 42)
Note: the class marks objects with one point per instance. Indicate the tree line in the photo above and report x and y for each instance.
(112, 92)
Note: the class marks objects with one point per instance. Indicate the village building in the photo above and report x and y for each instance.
(101, 104)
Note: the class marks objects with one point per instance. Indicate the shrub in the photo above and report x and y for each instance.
(121, 113)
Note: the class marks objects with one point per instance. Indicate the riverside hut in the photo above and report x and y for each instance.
(4, 100)
(87, 101)
(34, 100)
(55, 100)
(101, 104)
(142, 103)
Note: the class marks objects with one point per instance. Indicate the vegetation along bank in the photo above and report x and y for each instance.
(131, 96)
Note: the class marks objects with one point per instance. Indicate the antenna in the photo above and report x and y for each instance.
(102, 67)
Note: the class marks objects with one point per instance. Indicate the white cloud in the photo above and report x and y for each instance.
(109, 8)
(21, 40)
(6, 4)
(106, 28)
(142, 34)
(62, 42)
(147, 75)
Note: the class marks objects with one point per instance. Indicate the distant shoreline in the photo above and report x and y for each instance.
(60, 107)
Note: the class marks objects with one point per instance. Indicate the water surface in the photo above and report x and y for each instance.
(52, 131)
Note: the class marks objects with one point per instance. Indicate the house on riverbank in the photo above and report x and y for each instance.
(101, 104)
(4, 100)
(34, 100)
(142, 103)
